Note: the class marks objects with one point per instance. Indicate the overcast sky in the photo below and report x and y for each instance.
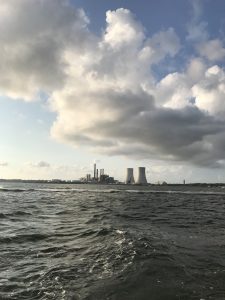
(125, 83)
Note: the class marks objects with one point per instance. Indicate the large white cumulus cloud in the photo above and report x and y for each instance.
(102, 87)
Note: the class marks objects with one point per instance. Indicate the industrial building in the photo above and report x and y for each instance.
(98, 177)
(141, 179)
(130, 176)
(141, 176)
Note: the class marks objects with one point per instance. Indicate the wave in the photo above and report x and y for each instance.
(15, 190)
(23, 238)
(3, 216)
(132, 191)
(14, 214)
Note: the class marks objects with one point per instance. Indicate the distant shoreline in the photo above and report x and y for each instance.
(58, 181)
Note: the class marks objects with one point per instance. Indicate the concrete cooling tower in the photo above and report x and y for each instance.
(141, 176)
(130, 176)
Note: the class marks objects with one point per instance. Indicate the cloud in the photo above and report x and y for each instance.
(122, 29)
(3, 164)
(33, 44)
(213, 50)
(209, 92)
(102, 88)
(40, 164)
(196, 28)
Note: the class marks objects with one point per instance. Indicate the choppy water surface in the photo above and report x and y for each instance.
(99, 242)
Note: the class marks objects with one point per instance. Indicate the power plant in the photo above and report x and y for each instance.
(141, 179)
(130, 176)
(141, 176)
(99, 176)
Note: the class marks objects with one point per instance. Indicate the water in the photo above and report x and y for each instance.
(111, 242)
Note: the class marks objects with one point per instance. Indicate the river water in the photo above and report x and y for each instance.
(111, 242)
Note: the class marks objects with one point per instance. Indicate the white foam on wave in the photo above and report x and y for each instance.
(175, 192)
(78, 190)
(132, 191)
(60, 190)
(120, 231)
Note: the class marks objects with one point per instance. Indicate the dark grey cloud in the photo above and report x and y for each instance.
(186, 135)
(102, 88)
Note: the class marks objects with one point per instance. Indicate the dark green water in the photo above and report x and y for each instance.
(102, 242)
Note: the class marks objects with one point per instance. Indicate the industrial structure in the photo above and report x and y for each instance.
(98, 177)
(141, 176)
(130, 176)
(95, 173)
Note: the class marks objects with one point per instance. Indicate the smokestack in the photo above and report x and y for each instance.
(141, 176)
(130, 176)
(94, 171)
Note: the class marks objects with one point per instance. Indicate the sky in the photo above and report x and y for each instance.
(122, 83)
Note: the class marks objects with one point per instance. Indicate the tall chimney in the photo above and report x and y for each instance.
(94, 171)
(130, 176)
(141, 176)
